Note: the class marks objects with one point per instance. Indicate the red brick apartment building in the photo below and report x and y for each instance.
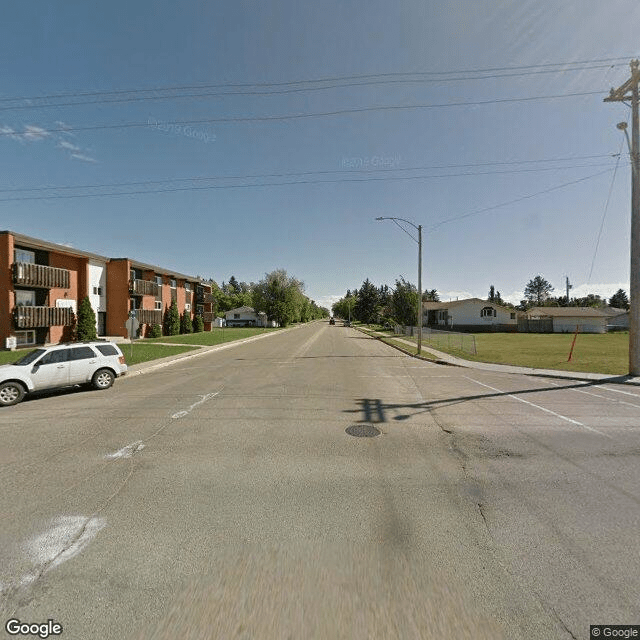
(41, 285)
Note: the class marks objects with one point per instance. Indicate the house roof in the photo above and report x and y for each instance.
(431, 306)
(567, 312)
(242, 310)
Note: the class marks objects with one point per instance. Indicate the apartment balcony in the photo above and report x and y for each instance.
(203, 297)
(27, 274)
(144, 288)
(34, 317)
(149, 316)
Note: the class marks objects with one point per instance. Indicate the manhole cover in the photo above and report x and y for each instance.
(363, 431)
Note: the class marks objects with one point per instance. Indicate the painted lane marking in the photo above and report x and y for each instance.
(128, 451)
(537, 406)
(627, 393)
(596, 395)
(186, 412)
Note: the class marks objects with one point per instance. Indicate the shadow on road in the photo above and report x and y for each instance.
(374, 410)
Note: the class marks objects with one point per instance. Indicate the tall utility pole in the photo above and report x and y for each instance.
(628, 92)
(569, 286)
(418, 228)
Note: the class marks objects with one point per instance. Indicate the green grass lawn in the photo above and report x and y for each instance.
(213, 337)
(593, 353)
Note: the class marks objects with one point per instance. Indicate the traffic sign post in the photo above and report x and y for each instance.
(132, 325)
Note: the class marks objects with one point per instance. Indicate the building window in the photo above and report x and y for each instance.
(187, 306)
(187, 287)
(513, 316)
(22, 255)
(236, 316)
(97, 291)
(159, 280)
(158, 304)
(172, 283)
(24, 338)
(488, 312)
(25, 298)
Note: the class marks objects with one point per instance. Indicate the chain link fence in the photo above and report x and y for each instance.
(465, 342)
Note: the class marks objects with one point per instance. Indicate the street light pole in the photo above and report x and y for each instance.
(419, 241)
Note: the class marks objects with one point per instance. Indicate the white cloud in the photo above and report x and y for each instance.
(63, 144)
(83, 157)
(31, 132)
(327, 301)
(10, 133)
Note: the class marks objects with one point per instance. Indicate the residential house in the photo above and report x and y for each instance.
(247, 317)
(471, 314)
(42, 283)
(564, 320)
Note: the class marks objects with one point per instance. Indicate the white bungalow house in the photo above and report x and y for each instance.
(471, 314)
(568, 319)
(247, 317)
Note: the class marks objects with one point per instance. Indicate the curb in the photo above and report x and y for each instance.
(161, 363)
(454, 361)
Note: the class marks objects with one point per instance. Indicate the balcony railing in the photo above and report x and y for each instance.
(144, 288)
(27, 274)
(204, 298)
(34, 317)
(149, 316)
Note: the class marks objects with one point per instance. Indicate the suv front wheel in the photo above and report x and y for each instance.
(11, 393)
(102, 379)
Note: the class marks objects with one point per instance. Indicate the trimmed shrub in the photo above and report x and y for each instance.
(185, 323)
(154, 331)
(86, 326)
(172, 320)
(198, 324)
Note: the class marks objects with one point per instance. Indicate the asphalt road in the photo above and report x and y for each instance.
(222, 497)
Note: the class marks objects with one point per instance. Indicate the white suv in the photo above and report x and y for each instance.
(61, 365)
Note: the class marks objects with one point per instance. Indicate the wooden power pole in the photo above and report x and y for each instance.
(628, 92)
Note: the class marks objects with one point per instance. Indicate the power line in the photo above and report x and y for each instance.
(510, 202)
(343, 171)
(377, 76)
(111, 97)
(298, 116)
(277, 184)
(604, 214)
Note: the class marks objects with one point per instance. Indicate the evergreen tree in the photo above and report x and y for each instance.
(198, 324)
(172, 320)
(619, 300)
(185, 322)
(537, 290)
(86, 327)
(367, 305)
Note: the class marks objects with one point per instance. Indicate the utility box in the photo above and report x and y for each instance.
(11, 343)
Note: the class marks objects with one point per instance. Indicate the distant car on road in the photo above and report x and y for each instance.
(332, 320)
(61, 365)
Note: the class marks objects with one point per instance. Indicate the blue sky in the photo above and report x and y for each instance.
(524, 185)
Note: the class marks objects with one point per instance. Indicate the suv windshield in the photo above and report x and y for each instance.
(29, 358)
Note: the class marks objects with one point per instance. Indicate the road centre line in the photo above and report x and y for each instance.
(537, 406)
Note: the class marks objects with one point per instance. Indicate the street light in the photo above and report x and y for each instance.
(419, 241)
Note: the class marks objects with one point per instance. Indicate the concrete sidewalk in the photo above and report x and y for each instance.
(445, 358)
